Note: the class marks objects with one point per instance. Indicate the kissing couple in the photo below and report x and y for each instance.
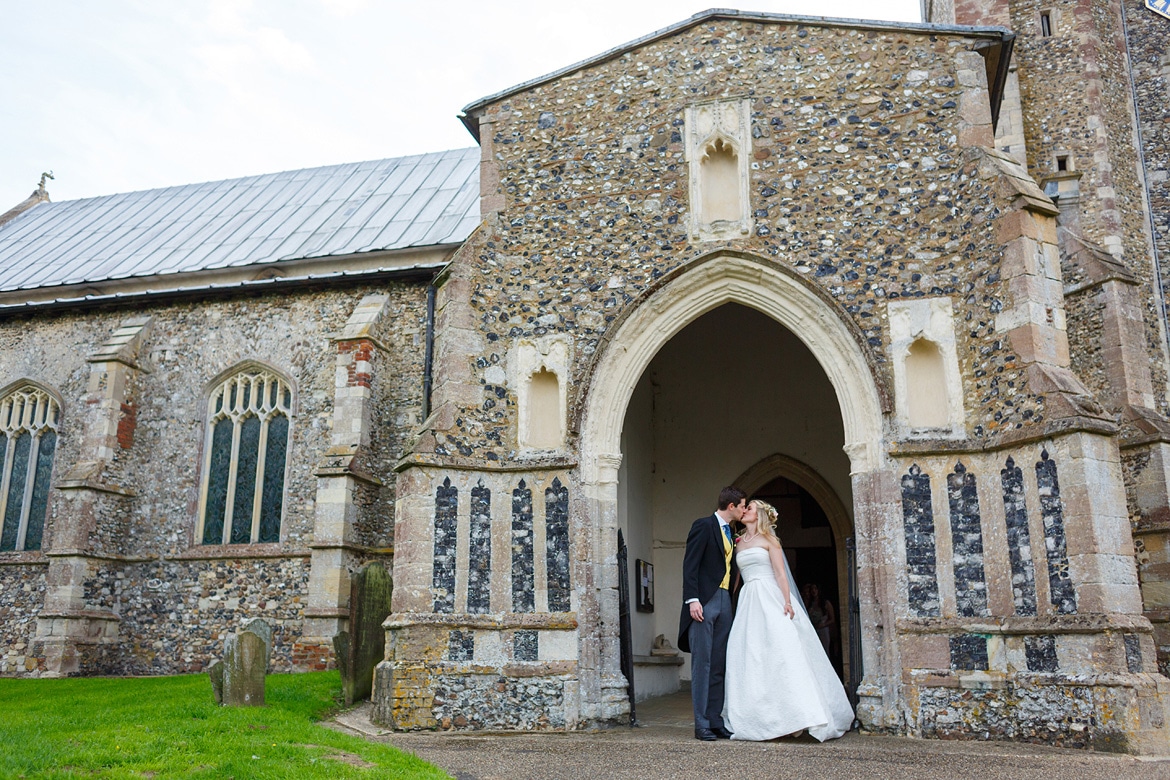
(763, 674)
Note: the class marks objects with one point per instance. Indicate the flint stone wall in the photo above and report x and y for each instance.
(175, 614)
(22, 592)
(1071, 83)
(858, 183)
(1064, 716)
(174, 611)
(1149, 61)
(490, 702)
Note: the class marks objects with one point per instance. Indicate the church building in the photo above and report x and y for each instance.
(903, 281)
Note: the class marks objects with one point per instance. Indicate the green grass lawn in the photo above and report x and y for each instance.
(172, 727)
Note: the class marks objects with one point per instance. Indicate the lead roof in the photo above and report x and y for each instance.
(382, 205)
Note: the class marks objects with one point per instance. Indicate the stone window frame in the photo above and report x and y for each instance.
(726, 112)
(1053, 16)
(1069, 161)
(38, 424)
(211, 414)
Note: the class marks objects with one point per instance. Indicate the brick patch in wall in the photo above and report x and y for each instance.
(126, 425)
(312, 657)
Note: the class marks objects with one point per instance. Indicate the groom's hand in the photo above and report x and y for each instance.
(696, 612)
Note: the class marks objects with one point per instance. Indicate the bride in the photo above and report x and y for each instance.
(779, 680)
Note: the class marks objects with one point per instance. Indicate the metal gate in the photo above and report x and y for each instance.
(855, 671)
(626, 633)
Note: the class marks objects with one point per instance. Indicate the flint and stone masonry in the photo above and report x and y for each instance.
(918, 525)
(466, 424)
(1015, 509)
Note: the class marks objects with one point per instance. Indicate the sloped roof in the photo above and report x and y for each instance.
(399, 203)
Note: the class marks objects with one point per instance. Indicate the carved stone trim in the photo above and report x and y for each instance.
(548, 621)
(722, 127)
(214, 552)
(1027, 624)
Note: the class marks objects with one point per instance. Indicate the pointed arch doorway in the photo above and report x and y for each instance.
(727, 363)
(711, 410)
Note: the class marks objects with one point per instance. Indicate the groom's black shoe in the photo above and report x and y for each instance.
(707, 735)
(720, 732)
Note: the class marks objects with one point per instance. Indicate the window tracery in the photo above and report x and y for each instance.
(244, 465)
(28, 424)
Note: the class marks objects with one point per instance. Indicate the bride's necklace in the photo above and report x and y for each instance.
(746, 539)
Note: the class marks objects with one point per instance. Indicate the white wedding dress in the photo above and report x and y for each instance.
(779, 679)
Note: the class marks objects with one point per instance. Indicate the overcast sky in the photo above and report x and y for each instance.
(123, 95)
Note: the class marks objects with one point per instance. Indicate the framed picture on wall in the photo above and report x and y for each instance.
(645, 587)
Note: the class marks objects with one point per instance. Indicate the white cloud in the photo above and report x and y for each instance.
(130, 94)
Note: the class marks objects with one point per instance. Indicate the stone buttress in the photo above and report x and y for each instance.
(77, 629)
(1088, 82)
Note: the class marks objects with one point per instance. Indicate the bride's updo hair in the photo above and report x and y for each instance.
(765, 519)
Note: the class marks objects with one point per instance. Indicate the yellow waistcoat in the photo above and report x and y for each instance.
(727, 548)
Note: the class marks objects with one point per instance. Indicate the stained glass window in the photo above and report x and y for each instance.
(28, 439)
(246, 454)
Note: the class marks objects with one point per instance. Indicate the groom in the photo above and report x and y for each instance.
(708, 571)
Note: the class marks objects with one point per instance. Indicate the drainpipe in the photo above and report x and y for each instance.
(429, 354)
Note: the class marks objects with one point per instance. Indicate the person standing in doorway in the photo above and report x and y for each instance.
(705, 623)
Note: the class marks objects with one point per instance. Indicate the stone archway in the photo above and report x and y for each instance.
(696, 289)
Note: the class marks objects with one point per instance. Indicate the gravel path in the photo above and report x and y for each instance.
(664, 747)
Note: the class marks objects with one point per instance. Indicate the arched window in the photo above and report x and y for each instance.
(28, 435)
(247, 445)
(927, 405)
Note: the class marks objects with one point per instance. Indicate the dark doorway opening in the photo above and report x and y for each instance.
(807, 537)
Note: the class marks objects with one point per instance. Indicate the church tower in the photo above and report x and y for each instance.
(1083, 109)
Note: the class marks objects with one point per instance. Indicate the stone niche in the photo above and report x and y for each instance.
(928, 392)
(719, 146)
(539, 369)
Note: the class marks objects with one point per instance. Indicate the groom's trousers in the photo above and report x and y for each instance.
(709, 660)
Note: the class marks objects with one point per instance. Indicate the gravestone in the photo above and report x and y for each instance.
(361, 648)
(245, 661)
(215, 671)
(261, 628)
(341, 648)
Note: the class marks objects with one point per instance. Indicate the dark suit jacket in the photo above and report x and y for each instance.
(703, 568)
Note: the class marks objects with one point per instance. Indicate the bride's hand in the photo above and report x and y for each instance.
(789, 611)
